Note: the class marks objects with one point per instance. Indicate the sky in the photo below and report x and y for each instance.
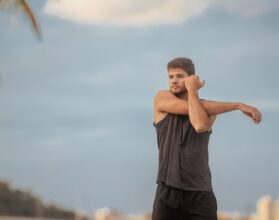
(77, 107)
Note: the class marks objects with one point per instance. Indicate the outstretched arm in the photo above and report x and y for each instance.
(165, 101)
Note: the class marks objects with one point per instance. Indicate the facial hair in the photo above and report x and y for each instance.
(181, 94)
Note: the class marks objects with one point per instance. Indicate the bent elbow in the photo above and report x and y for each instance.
(201, 128)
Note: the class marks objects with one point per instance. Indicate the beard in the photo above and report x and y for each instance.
(180, 93)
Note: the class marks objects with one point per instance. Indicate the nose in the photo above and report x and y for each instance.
(174, 80)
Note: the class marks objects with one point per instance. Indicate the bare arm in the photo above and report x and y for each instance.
(165, 101)
(198, 116)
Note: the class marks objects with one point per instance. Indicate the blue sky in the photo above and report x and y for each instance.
(76, 108)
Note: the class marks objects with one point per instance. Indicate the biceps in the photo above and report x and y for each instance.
(179, 107)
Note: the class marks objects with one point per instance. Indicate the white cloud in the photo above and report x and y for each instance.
(152, 12)
(126, 12)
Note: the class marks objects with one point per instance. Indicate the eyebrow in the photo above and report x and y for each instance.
(178, 74)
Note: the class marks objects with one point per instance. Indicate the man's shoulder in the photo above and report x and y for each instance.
(162, 94)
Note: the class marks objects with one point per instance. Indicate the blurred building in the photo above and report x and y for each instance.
(276, 210)
(264, 208)
(267, 209)
(108, 214)
(112, 214)
(231, 216)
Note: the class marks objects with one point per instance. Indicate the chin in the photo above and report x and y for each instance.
(178, 92)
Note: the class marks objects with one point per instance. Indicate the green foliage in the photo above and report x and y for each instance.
(15, 202)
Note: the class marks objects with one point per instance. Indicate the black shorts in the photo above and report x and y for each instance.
(175, 204)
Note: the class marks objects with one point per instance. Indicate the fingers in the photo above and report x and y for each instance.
(256, 116)
(196, 77)
(253, 113)
(193, 81)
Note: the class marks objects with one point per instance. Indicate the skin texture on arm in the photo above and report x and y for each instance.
(198, 116)
(165, 101)
(182, 99)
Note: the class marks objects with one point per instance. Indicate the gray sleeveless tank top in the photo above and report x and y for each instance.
(183, 154)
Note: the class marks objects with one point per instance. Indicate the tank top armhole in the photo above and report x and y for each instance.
(161, 121)
(210, 131)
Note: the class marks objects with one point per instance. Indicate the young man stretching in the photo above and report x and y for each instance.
(183, 124)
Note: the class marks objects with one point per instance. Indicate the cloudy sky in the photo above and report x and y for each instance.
(76, 108)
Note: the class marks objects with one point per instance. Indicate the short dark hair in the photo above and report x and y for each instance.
(184, 63)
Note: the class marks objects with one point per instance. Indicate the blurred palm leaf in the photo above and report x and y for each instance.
(25, 7)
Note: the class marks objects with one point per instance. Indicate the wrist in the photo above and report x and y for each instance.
(192, 90)
(192, 93)
(239, 105)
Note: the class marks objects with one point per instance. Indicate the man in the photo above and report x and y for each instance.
(183, 124)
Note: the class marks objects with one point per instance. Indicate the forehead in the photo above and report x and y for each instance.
(176, 71)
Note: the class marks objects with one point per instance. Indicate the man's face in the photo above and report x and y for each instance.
(176, 80)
